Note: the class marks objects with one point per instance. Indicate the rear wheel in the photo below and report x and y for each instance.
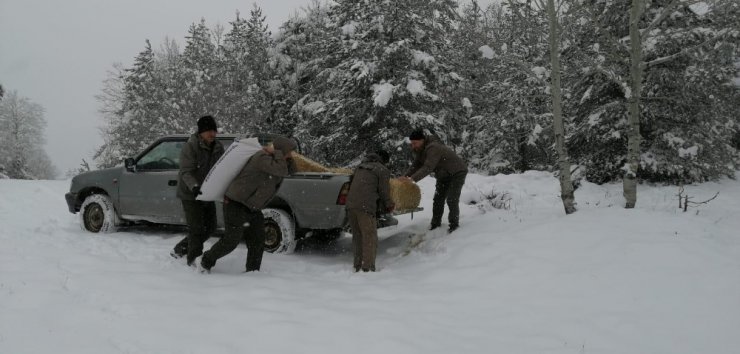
(97, 214)
(279, 231)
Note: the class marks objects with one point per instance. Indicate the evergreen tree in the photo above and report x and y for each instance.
(687, 56)
(262, 81)
(236, 78)
(200, 75)
(387, 76)
(142, 121)
(512, 132)
(300, 51)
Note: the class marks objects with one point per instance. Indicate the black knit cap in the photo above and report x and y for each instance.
(416, 135)
(206, 123)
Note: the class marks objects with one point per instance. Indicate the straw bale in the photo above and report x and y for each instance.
(405, 194)
(304, 164)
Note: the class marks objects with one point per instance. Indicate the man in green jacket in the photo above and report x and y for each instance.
(246, 196)
(197, 156)
(430, 155)
(369, 193)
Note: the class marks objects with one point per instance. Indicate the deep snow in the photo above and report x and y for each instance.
(524, 280)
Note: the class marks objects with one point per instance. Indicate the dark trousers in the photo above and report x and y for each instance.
(241, 223)
(364, 239)
(448, 190)
(201, 219)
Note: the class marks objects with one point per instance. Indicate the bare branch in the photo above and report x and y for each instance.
(661, 16)
(704, 202)
(684, 52)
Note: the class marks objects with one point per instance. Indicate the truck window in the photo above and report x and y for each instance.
(165, 156)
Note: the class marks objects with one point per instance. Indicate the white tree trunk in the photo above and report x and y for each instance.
(566, 186)
(633, 118)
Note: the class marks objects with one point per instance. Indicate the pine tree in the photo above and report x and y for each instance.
(200, 75)
(301, 49)
(262, 86)
(236, 78)
(512, 133)
(686, 62)
(387, 76)
(143, 121)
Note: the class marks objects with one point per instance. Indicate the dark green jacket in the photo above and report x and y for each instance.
(260, 178)
(438, 158)
(196, 159)
(370, 185)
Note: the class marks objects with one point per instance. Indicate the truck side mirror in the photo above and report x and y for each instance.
(130, 164)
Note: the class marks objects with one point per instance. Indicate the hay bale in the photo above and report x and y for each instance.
(304, 164)
(405, 194)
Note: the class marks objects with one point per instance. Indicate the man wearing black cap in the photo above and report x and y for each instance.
(246, 196)
(197, 157)
(430, 155)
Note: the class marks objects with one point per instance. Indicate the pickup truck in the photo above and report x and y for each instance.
(144, 191)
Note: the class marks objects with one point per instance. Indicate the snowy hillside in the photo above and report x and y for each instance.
(526, 279)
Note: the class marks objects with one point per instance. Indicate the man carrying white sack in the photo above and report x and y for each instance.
(197, 157)
(246, 196)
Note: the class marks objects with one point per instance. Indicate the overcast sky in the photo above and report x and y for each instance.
(57, 54)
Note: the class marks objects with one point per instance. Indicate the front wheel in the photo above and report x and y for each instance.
(279, 231)
(97, 214)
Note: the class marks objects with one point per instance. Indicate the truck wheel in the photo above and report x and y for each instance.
(279, 231)
(97, 214)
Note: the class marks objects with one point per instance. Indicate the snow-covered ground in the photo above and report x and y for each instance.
(524, 280)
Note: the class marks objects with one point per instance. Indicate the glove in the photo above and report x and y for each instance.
(196, 191)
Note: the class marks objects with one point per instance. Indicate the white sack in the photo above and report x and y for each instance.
(226, 169)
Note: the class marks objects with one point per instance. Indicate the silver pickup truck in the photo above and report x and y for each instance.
(144, 191)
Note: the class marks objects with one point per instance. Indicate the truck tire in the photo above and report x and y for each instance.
(279, 231)
(97, 214)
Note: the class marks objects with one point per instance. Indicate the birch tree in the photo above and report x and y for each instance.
(638, 40)
(653, 100)
(629, 182)
(566, 185)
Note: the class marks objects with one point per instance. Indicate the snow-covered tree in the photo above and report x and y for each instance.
(681, 60)
(22, 138)
(235, 77)
(386, 76)
(554, 31)
(202, 93)
(511, 132)
(261, 85)
(301, 49)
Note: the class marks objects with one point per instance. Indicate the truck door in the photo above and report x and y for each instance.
(150, 191)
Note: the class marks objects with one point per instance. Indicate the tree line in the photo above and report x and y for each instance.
(604, 89)
(22, 137)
